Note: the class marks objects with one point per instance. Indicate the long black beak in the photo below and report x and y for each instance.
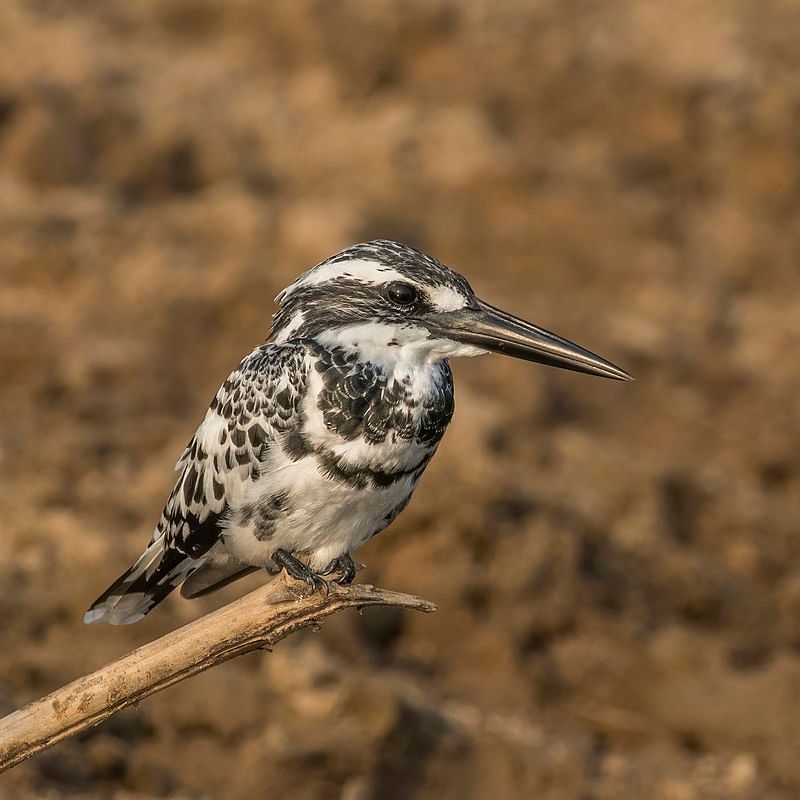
(489, 328)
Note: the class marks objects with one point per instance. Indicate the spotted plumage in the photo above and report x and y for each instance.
(317, 440)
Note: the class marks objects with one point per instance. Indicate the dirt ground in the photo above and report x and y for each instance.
(616, 565)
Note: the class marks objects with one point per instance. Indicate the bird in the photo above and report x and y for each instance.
(317, 440)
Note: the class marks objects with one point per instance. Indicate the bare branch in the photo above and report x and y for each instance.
(256, 621)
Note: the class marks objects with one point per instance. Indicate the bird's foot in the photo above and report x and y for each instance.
(345, 567)
(296, 569)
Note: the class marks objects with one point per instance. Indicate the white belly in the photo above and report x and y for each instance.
(322, 517)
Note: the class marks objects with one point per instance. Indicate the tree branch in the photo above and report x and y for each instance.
(254, 622)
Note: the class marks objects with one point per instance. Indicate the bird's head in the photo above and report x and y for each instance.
(384, 298)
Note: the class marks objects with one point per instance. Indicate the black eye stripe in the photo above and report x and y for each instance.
(402, 294)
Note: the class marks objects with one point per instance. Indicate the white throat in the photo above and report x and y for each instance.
(395, 347)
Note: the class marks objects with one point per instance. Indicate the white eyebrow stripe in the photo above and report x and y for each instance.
(358, 269)
(445, 298)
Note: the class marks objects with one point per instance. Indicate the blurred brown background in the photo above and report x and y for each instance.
(615, 565)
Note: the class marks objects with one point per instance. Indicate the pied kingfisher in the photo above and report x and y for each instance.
(316, 441)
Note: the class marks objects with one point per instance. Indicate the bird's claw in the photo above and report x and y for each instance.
(317, 584)
(301, 572)
(345, 567)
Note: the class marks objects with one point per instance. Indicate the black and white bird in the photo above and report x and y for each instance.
(317, 440)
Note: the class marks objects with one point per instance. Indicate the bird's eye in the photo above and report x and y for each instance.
(403, 294)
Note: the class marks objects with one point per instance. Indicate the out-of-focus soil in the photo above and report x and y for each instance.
(616, 566)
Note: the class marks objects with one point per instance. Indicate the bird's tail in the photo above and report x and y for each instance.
(143, 586)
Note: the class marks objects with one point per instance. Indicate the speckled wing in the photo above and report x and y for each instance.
(254, 404)
(257, 401)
